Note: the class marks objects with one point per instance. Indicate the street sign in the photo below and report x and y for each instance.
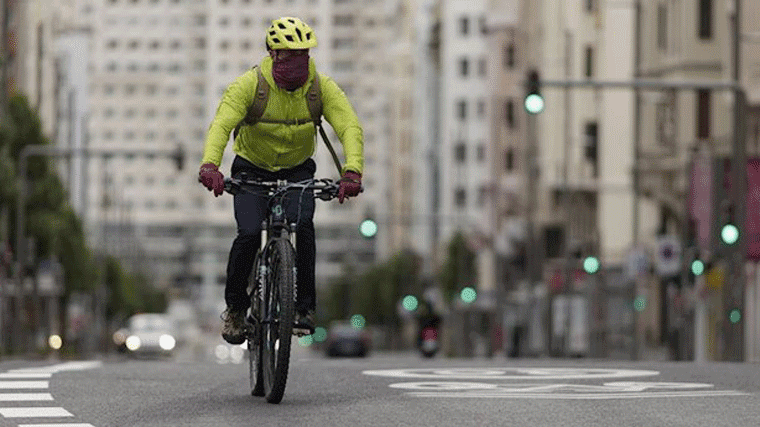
(668, 256)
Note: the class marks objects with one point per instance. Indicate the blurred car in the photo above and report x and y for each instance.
(149, 335)
(345, 340)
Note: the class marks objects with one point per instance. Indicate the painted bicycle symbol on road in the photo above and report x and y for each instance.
(448, 383)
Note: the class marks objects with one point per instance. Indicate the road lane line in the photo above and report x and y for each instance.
(61, 367)
(34, 412)
(579, 396)
(24, 397)
(25, 375)
(58, 425)
(23, 384)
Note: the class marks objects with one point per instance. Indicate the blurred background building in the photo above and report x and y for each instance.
(439, 87)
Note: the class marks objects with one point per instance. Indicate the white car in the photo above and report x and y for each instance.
(150, 334)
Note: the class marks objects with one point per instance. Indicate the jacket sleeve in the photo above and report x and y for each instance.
(341, 115)
(232, 108)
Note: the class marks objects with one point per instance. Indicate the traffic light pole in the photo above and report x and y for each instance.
(48, 150)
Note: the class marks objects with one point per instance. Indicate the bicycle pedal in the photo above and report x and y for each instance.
(300, 332)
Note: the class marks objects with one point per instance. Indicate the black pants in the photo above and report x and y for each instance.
(250, 211)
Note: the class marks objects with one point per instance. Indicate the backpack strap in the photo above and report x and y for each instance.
(314, 101)
(259, 104)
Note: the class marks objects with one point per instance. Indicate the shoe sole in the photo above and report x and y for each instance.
(233, 339)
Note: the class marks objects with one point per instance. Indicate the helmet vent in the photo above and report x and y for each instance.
(281, 25)
(273, 33)
(292, 21)
(289, 38)
(276, 40)
(308, 36)
(300, 36)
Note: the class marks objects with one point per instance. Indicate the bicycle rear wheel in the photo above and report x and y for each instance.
(280, 315)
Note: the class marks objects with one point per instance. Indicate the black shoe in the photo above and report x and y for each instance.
(233, 330)
(304, 324)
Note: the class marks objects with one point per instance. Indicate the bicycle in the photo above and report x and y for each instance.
(272, 284)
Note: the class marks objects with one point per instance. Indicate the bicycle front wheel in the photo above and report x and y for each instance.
(254, 340)
(280, 301)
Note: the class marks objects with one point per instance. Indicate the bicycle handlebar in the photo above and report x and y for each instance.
(326, 188)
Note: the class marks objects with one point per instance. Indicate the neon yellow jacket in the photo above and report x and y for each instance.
(274, 146)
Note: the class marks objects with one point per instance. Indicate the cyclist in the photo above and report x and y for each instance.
(272, 150)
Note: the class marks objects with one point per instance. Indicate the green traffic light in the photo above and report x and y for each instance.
(729, 234)
(534, 103)
(368, 228)
(697, 267)
(468, 295)
(735, 316)
(591, 265)
(410, 303)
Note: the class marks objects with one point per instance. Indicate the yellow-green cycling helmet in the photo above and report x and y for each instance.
(290, 33)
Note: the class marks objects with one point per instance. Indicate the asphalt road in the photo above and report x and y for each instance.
(381, 390)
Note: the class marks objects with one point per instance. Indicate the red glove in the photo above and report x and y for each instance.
(212, 179)
(350, 185)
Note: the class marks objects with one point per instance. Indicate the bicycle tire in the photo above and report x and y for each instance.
(254, 337)
(280, 302)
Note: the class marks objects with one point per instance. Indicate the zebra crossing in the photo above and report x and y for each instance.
(19, 387)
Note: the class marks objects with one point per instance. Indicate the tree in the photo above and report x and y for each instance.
(460, 268)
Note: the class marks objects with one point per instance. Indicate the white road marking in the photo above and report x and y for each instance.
(511, 373)
(34, 412)
(480, 395)
(23, 384)
(8, 375)
(58, 425)
(24, 397)
(61, 367)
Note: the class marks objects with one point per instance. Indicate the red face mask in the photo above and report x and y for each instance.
(291, 72)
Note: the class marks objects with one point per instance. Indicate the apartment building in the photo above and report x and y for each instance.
(154, 73)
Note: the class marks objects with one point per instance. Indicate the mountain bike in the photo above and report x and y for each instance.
(272, 284)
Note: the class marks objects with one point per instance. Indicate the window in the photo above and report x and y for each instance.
(464, 25)
(463, 67)
(589, 61)
(460, 198)
(155, 45)
(509, 159)
(662, 27)
(224, 45)
(112, 44)
(590, 149)
(176, 44)
(509, 56)
(151, 89)
(554, 238)
(224, 21)
(245, 45)
(483, 26)
(133, 44)
(481, 152)
(200, 42)
(481, 109)
(590, 5)
(482, 67)
(705, 19)
(245, 22)
(509, 109)
(460, 152)
(108, 89)
(343, 20)
(462, 110)
(703, 113)
(130, 89)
